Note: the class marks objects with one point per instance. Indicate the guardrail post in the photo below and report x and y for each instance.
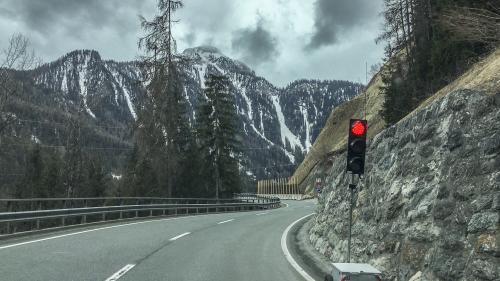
(9, 209)
(38, 220)
(104, 214)
(84, 217)
(121, 212)
(137, 212)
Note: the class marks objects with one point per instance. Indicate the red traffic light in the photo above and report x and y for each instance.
(358, 128)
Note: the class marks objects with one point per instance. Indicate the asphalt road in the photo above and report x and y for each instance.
(215, 247)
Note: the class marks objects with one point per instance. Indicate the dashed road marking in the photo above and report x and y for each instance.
(91, 230)
(260, 214)
(120, 272)
(179, 236)
(225, 221)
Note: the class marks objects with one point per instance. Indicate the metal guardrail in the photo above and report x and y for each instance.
(34, 214)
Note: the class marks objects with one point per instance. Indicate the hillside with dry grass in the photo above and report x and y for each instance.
(483, 76)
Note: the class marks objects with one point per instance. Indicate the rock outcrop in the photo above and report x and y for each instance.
(429, 205)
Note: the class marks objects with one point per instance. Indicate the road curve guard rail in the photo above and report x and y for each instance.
(36, 214)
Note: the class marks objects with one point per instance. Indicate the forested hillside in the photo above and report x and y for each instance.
(81, 97)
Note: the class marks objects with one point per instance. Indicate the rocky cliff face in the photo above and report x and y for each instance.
(429, 205)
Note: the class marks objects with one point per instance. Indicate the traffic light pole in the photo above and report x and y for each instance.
(352, 190)
(356, 149)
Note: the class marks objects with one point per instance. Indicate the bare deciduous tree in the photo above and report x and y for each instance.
(18, 56)
(474, 25)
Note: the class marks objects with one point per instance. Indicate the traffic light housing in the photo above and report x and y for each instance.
(356, 146)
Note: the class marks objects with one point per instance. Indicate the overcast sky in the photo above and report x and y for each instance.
(282, 40)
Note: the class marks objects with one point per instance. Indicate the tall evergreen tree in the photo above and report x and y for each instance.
(217, 135)
(31, 185)
(162, 121)
(140, 177)
(96, 179)
(73, 159)
(52, 175)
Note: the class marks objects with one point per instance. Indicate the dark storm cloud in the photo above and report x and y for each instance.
(255, 44)
(44, 16)
(334, 17)
(111, 27)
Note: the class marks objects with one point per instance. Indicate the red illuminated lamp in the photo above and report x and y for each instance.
(358, 128)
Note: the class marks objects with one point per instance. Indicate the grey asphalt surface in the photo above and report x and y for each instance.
(246, 248)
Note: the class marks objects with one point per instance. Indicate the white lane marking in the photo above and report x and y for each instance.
(288, 256)
(225, 221)
(120, 272)
(179, 236)
(260, 214)
(91, 230)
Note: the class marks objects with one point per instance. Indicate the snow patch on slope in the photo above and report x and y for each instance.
(248, 102)
(82, 83)
(303, 109)
(126, 93)
(286, 133)
(288, 154)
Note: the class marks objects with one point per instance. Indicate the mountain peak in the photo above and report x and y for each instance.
(203, 50)
(93, 54)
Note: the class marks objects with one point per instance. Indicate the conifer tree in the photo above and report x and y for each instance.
(217, 135)
(95, 178)
(162, 123)
(31, 185)
(52, 176)
(73, 159)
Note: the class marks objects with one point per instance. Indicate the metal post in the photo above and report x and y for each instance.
(84, 218)
(352, 190)
(104, 214)
(9, 209)
(38, 220)
(121, 213)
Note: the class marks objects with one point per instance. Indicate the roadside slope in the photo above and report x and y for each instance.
(483, 76)
(429, 206)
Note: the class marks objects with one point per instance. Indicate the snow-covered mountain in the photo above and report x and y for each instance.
(277, 125)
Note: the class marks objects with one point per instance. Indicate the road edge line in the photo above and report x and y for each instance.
(287, 254)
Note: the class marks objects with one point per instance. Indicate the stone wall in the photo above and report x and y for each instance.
(429, 205)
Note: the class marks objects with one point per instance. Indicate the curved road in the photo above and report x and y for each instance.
(215, 247)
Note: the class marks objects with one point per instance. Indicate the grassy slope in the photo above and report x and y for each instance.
(484, 76)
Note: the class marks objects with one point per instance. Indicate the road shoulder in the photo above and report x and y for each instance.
(304, 253)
